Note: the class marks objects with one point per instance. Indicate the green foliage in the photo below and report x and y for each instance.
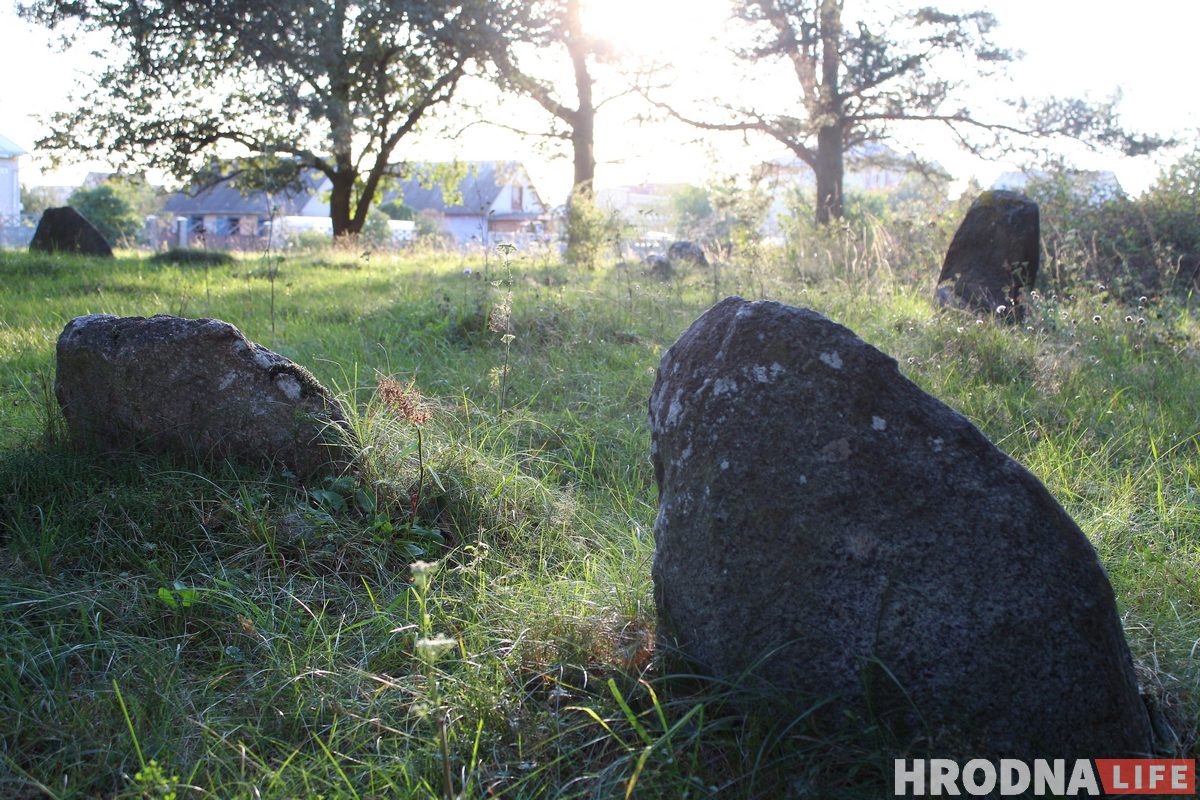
(309, 241)
(592, 233)
(193, 256)
(36, 199)
(212, 85)
(178, 597)
(396, 210)
(691, 211)
(153, 783)
(739, 212)
(109, 209)
(1135, 246)
(1172, 211)
(431, 227)
(853, 72)
(376, 232)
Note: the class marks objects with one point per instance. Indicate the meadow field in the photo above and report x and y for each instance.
(170, 629)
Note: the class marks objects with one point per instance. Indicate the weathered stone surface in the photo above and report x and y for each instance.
(994, 256)
(659, 267)
(65, 230)
(818, 511)
(687, 253)
(196, 387)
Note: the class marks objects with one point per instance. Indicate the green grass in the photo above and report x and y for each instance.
(252, 638)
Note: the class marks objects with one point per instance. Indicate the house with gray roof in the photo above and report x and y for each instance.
(495, 201)
(10, 183)
(225, 216)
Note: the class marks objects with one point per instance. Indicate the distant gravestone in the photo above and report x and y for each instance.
(994, 256)
(65, 230)
(659, 267)
(832, 529)
(687, 253)
(196, 387)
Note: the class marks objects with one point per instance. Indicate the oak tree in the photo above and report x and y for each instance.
(543, 27)
(856, 76)
(284, 87)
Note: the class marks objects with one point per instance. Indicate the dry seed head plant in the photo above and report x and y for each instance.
(500, 316)
(405, 400)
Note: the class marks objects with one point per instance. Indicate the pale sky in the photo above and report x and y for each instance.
(1072, 47)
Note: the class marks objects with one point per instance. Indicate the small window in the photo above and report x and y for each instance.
(518, 198)
(228, 226)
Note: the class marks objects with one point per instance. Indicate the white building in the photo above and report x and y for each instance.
(10, 184)
(496, 202)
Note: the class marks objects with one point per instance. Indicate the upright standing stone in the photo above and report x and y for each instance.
(65, 230)
(684, 252)
(825, 522)
(196, 387)
(659, 267)
(994, 256)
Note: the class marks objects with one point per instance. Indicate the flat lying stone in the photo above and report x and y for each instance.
(195, 387)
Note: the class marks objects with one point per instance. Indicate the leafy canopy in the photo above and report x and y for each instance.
(283, 87)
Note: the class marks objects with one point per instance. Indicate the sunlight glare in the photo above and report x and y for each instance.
(651, 28)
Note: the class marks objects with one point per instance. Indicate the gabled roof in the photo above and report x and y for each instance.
(477, 191)
(225, 198)
(9, 148)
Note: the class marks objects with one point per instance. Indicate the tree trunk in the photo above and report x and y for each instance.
(829, 169)
(585, 159)
(341, 125)
(831, 136)
(339, 205)
(584, 124)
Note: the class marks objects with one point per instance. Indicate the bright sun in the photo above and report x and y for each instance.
(657, 28)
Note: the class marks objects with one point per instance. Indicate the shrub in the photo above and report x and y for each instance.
(376, 232)
(187, 256)
(111, 213)
(118, 207)
(1132, 245)
(591, 231)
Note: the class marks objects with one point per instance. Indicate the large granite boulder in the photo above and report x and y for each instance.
(65, 230)
(684, 252)
(840, 534)
(994, 256)
(196, 387)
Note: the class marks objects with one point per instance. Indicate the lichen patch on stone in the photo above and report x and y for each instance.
(723, 386)
(831, 359)
(673, 410)
(288, 385)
